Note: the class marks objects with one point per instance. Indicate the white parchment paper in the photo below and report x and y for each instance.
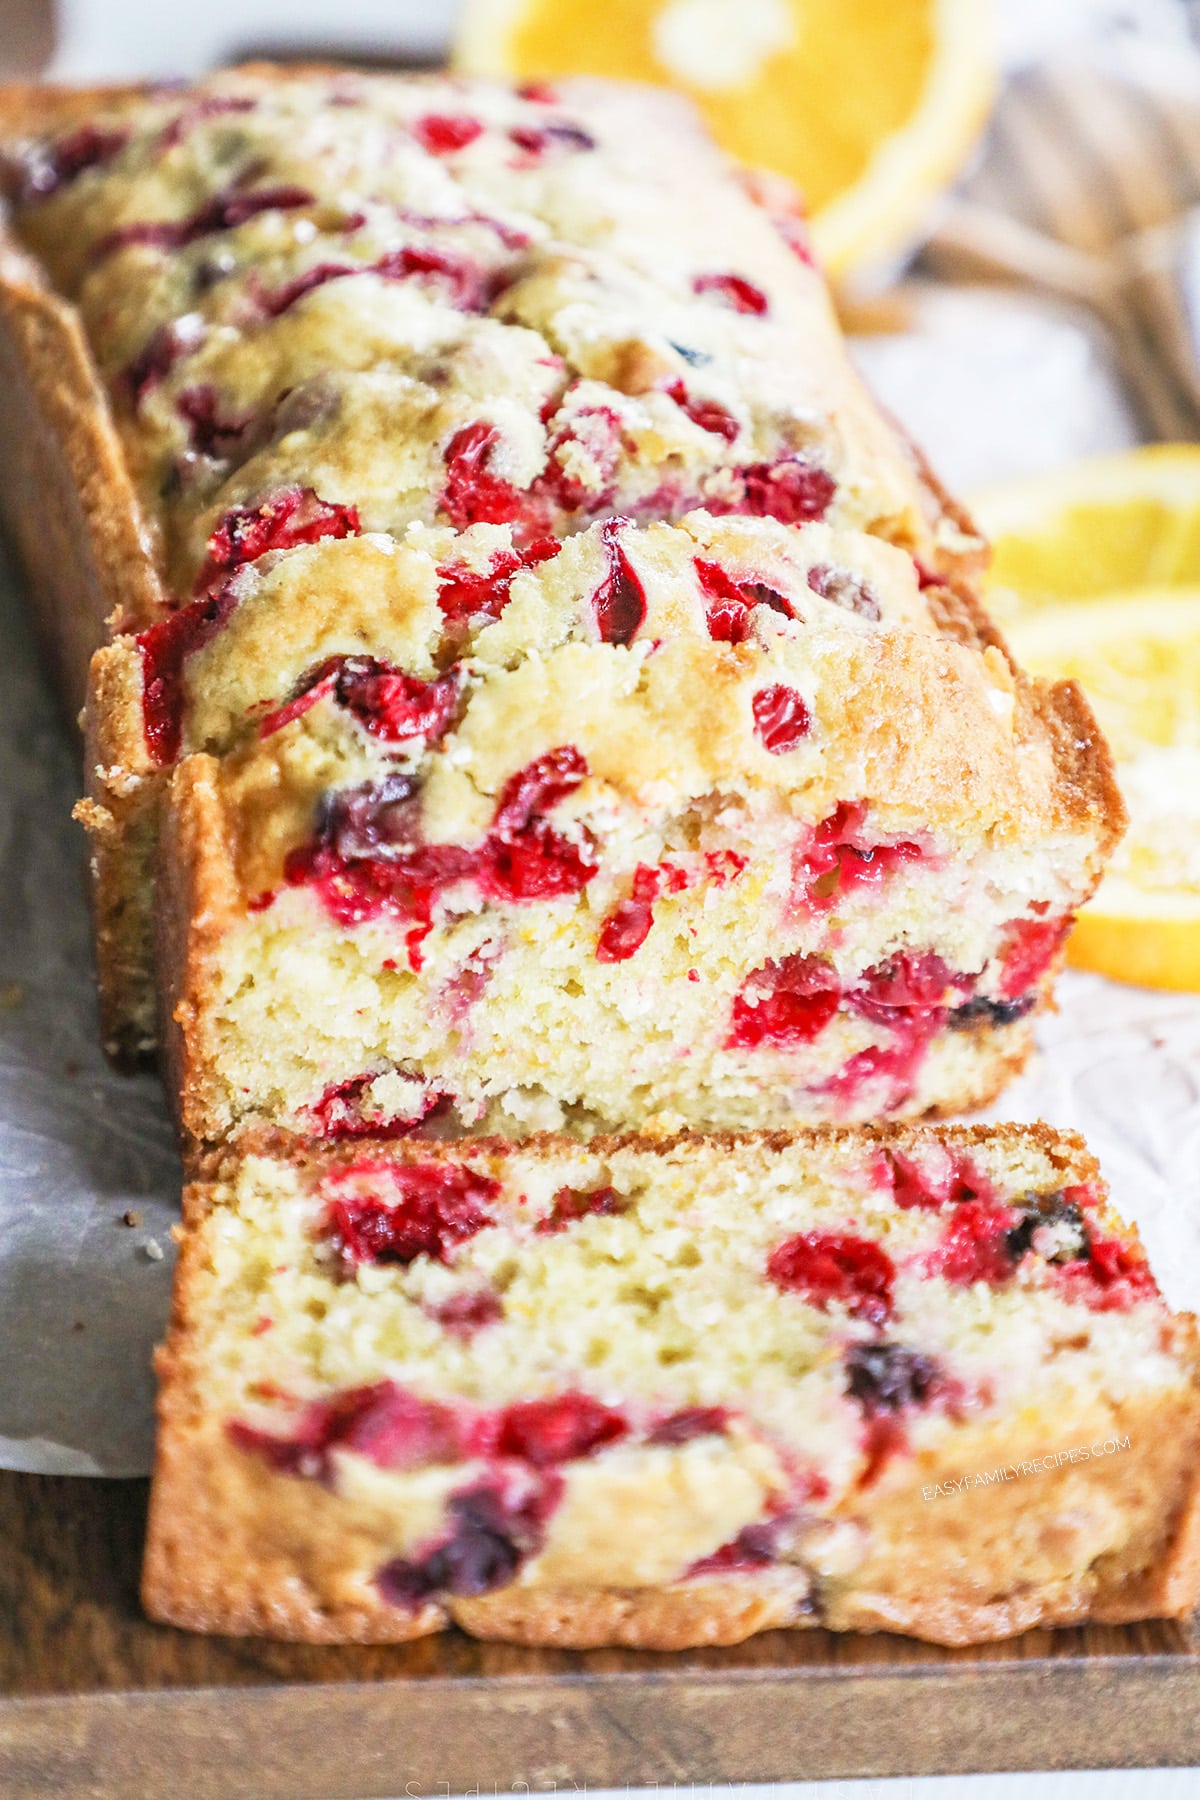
(84, 1295)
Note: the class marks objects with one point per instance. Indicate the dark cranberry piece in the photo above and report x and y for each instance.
(384, 1423)
(274, 302)
(48, 167)
(210, 434)
(1115, 1276)
(338, 1113)
(463, 593)
(536, 788)
(164, 648)
(224, 212)
(460, 281)
(294, 515)
(709, 415)
(572, 1204)
(158, 356)
(729, 603)
(560, 1429)
(906, 990)
(462, 1315)
(619, 602)
(934, 1182)
(370, 820)
(781, 718)
(473, 495)
(886, 1378)
(437, 1206)
(784, 1004)
(490, 1537)
(791, 490)
(557, 134)
(692, 1422)
(627, 927)
(974, 1245)
(1056, 1211)
(845, 590)
(980, 1010)
(828, 1266)
(733, 291)
(1030, 946)
(444, 133)
(754, 1547)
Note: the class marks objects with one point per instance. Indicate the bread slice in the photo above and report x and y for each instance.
(795, 843)
(669, 1394)
(324, 302)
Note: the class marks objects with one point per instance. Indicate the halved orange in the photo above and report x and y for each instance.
(869, 106)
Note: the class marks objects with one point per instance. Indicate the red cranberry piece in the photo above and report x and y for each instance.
(537, 787)
(461, 281)
(473, 495)
(491, 1535)
(627, 927)
(619, 602)
(560, 1429)
(224, 212)
(829, 1266)
(272, 303)
(437, 1207)
(444, 133)
(1030, 946)
(213, 106)
(884, 1438)
(338, 1115)
(383, 1422)
(791, 490)
(729, 603)
(572, 1204)
(1114, 1277)
(46, 168)
(888, 1378)
(540, 93)
(463, 593)
(599, 430)
(394, 706)
(293, 516)
(836, 861)
(692, 1422)
(754, 1547)
(907, 989)
(733, 291)
(709, 415)
(846, 590)
(784, 1004)
(463, 1315)
(164, 648)
(556, 134)
(946, 1179)
(210, 434)
(781, 718)
(974, 1245)
(158, 356)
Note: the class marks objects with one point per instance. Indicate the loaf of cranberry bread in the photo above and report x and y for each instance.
(720, 825)
(286, 307)
(669, 1394)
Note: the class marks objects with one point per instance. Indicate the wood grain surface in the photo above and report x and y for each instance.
(97, 1702)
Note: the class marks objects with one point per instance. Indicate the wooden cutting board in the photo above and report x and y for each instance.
(96, 1702)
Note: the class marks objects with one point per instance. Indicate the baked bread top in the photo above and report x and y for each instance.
(445, 301)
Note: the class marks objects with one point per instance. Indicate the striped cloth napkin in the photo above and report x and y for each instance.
(1088, 187)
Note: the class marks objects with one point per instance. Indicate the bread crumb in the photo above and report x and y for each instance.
(130, 1217)
(12, 995)
(154, 1250)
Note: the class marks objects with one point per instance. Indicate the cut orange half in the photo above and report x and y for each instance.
(869, 106)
